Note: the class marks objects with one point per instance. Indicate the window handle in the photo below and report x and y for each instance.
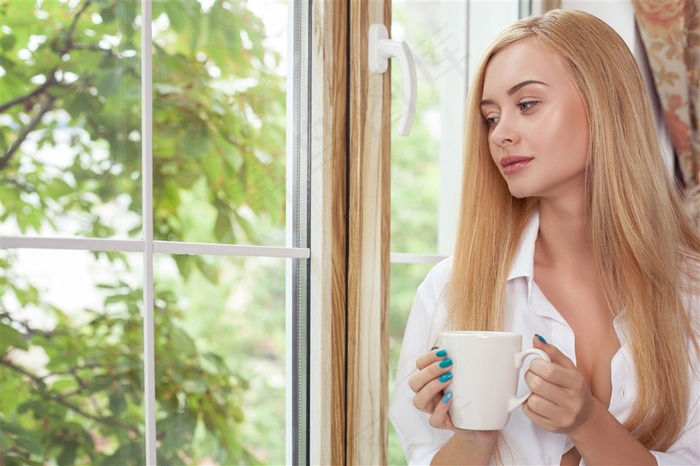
(381, 48)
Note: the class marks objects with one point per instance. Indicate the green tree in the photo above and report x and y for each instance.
(70, 139)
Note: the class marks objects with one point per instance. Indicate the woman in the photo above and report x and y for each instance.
(572, 234)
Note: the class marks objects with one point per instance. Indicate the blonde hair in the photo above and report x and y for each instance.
(646, 248)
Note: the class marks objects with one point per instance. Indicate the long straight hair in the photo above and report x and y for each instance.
(646, 248)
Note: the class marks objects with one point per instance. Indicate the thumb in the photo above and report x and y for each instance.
(557, 357)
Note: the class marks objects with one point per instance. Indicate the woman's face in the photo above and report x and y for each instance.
(538, 129)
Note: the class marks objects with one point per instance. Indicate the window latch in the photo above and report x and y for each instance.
(381, 48)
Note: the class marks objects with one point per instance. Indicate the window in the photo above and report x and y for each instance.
(154, 233)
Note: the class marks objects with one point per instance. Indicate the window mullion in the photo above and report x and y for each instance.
(147, 212)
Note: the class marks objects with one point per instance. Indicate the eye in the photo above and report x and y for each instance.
(490, 121)
(525, 106)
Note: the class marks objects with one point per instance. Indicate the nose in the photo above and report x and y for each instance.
(504, 133)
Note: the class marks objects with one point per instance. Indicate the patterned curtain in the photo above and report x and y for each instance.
(670, 30)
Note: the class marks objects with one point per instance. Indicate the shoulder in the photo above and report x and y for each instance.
(430, 303)
(437, 279)
(442, 270)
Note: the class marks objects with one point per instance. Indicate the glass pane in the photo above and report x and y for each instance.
(220, 360)
(70, 120)
(426, 164)
(71, 358)
(219, 121)
(415, 170)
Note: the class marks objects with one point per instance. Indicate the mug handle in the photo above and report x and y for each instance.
(519, 359)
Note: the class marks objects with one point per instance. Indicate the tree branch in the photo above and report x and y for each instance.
(61, 400)
(45, 104)
(39, 90)
(68, 45)
(29, 330)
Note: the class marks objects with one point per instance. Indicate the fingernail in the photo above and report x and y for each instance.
(441, 354)
(445, 377)
(446, 362)
(541, 338)
(446, 398)
(434, 348)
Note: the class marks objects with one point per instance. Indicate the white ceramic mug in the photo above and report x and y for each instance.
(485, 370)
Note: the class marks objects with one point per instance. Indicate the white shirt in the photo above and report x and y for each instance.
(527, 311)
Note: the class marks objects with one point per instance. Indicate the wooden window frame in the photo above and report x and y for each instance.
(350, 189)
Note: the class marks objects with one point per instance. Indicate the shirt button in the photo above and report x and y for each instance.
(557, 327)
(549, 460)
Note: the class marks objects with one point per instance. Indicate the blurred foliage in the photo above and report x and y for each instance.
(73, 74)
(70, 164)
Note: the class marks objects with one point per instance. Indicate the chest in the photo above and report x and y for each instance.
(584, 308)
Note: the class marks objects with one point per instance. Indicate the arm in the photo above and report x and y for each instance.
(467, 447)
(601, 439)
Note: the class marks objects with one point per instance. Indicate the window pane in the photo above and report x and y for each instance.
(71, 352)
(415, 173)
(219, 121)
(426, 165)
(70, 119)
(220, 360)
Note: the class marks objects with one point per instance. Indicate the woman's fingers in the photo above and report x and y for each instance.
(430, 366)
(430, 395)
(553, 372)
(561, 399)
(542, 385)
(424, 360)
(431, 379)
(440, 419)
(557, 357)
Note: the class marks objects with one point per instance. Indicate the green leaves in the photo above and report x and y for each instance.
(219, 176)
(202, 120)
(10, 338)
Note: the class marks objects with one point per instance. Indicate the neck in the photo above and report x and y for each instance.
(563, 238)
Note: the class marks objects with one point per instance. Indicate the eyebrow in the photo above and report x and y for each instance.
(515, 89)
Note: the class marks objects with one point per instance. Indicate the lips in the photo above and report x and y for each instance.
(514, 163)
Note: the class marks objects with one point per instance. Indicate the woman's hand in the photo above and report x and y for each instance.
(561, 400)
(429, 384)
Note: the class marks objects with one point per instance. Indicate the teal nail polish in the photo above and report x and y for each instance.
(446, 362)
(445, 377)
(446, 399)
(441, 354)
(541, 338)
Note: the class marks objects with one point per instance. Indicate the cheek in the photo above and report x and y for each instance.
(493, 152)
(571, 135)
(578, 130)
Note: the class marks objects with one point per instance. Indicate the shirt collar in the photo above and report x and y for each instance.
(524, 266)
(524, 261)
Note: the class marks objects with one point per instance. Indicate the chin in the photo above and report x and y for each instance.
(519, 193)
